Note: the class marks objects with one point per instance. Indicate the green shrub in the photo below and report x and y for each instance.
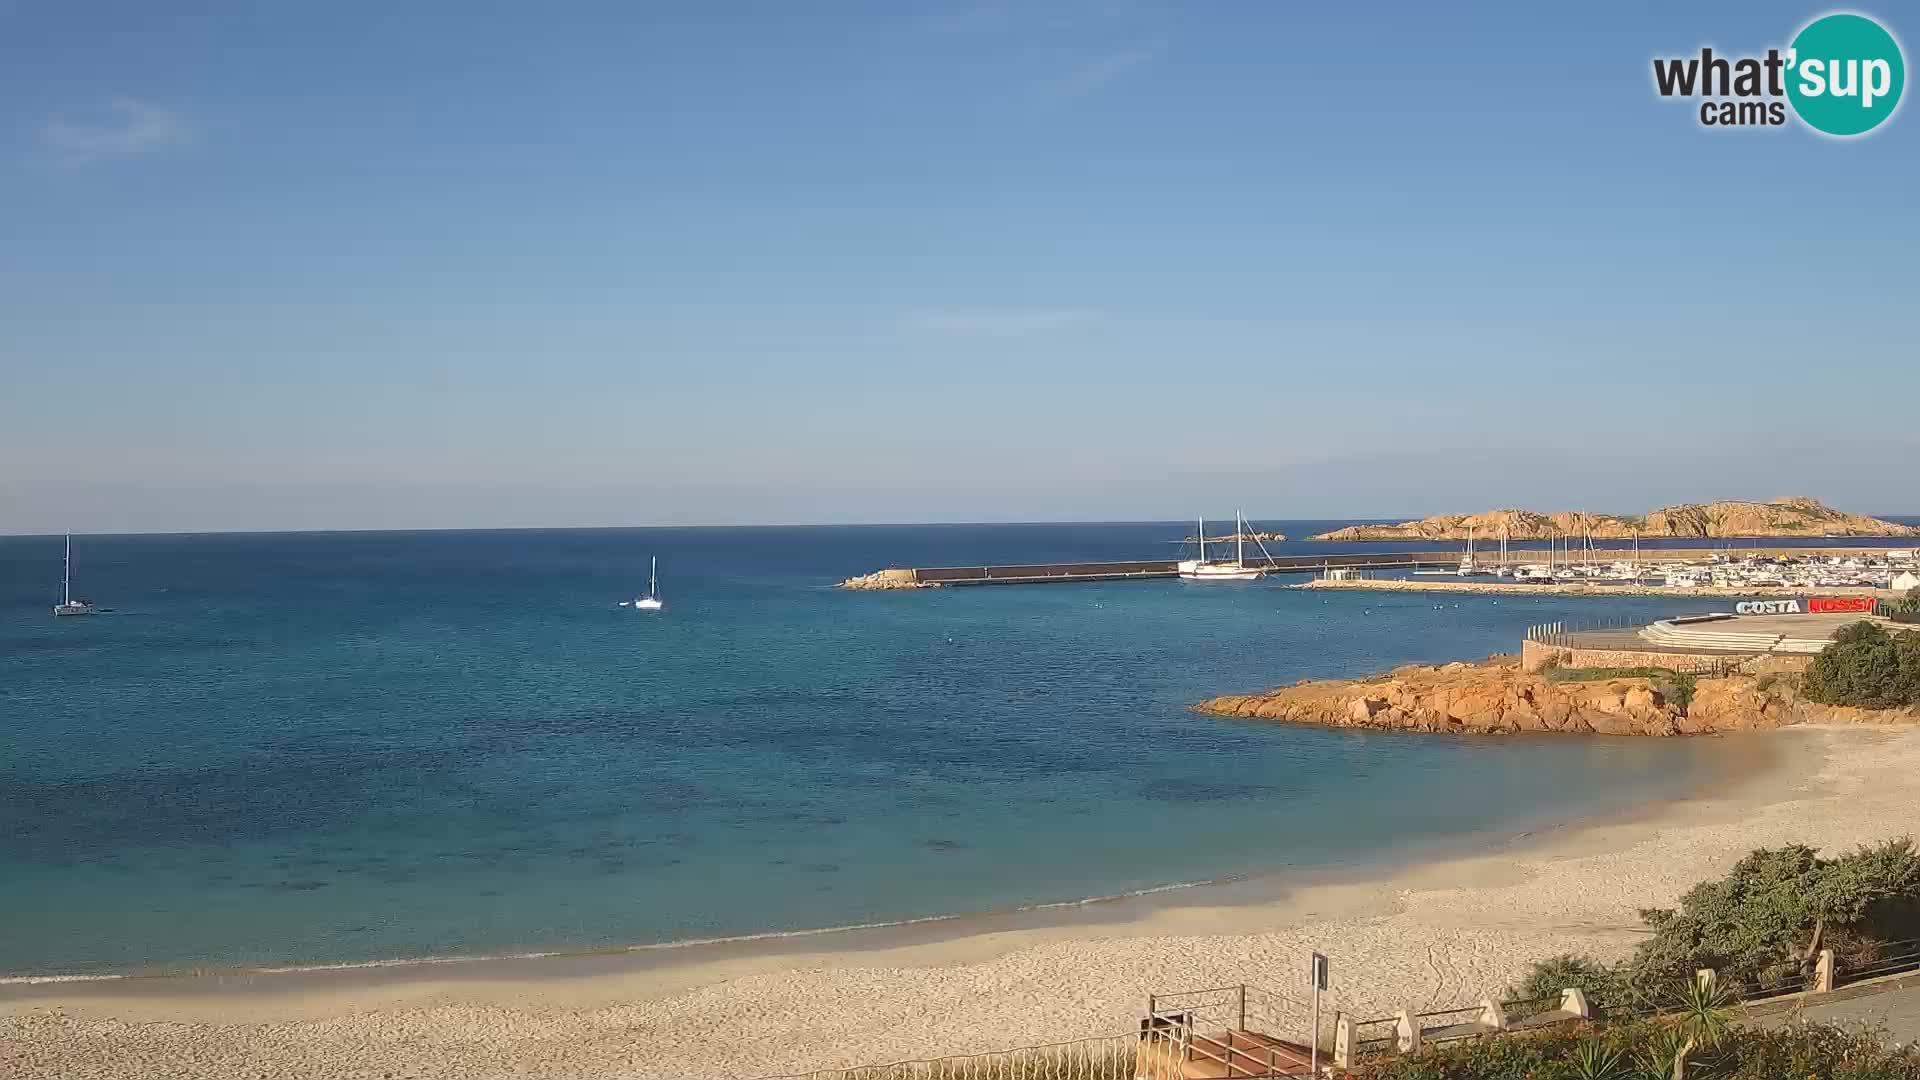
(1906, 609)
(1604, 985)
(1644, 1050)
(1762, 923)
(1816, 1050)
(1867, 667)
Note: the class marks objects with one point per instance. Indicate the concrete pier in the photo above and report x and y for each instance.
(1145, 569)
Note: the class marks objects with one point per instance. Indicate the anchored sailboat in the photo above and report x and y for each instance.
(68, 605)
(1204, 569)
(651, 601)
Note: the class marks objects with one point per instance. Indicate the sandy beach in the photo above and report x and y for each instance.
(1441, 932)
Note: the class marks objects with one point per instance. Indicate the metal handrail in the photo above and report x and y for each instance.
(1461, 1011)
(1196, 1046)
(1509, 1007)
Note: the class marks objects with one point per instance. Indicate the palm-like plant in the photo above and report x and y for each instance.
(1704, 1014)
(1698, 1020)
(1593, 1059)
(1663, 1055)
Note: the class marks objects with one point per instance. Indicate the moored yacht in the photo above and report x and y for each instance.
(1205, 569)
(68, 605)
(651, 601)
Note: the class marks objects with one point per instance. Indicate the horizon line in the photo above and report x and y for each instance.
(1895, 518)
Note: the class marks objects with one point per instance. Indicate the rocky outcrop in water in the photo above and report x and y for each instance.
(1249, 537)
(1497, 698)
(1781, 517)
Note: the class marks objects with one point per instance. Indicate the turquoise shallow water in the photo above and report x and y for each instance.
(320, 748)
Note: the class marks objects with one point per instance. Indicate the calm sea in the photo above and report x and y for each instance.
(316, 748)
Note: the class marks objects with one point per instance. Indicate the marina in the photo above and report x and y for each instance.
(1664, 570)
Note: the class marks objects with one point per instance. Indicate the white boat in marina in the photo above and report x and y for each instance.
(651, 601)
(1205, 569)
(68, 605)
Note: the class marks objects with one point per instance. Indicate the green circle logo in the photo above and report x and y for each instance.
(1845, 74)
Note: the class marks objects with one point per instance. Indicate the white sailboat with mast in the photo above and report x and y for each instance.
(68, 605)
(1205, 569)
(651, 601)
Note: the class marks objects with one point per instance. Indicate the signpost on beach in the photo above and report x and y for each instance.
(1319, 984)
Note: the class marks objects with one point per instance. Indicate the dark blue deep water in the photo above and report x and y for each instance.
(313, 748)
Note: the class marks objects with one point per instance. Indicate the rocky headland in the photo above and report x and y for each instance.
(1781, 517)
(1498, 698)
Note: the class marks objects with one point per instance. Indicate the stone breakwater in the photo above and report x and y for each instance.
(1498, 698)
(887, 579)
(1577, 588)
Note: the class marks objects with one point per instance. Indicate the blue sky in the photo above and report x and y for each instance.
(437, 264)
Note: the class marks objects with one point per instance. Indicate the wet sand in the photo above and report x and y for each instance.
(1444, 931)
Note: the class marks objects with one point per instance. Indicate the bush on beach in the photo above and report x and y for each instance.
(1866, 667)
(1761, 926)
(1645, 1049)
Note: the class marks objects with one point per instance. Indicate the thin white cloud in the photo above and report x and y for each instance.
(1098, 73)
(999, 322)
(124, 127)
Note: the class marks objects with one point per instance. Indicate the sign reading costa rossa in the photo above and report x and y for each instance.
(1812, 605)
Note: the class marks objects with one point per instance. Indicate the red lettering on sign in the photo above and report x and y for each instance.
(1840, 603)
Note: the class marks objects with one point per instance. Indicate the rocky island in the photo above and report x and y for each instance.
(1498, 698)
(1796, 516)
(1251, 535)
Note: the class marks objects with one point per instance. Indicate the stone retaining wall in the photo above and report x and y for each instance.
(1534, 656)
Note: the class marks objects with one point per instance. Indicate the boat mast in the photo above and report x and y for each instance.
(1239, 538)
(653, 578)
(1202, 537)
(66, 575)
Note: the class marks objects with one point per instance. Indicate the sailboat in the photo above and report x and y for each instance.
(1204, 569)
(651, 601)
(68, 605)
